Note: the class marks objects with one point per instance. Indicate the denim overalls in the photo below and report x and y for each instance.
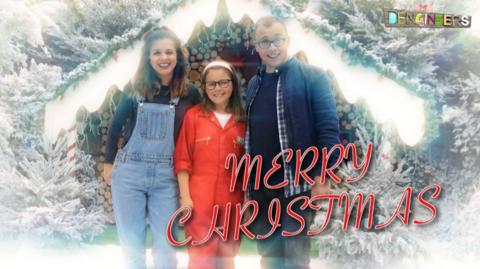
(144, 185)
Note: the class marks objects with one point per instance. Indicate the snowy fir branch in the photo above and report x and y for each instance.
(368, 247)
(42, 200)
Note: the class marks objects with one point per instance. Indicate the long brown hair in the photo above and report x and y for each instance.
(146, 81)
(234, 105)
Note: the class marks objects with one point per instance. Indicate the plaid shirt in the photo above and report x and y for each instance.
(289, 189)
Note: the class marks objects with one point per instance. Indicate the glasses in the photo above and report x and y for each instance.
(265, 43)
(223, 83)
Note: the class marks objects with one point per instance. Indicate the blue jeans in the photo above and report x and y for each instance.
(277, 251)
(144, 187)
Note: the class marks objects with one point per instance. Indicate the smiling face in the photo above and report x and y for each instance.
(271, 43)
(163, 59)
(218, 87)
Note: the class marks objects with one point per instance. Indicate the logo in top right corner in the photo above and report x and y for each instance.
(421, 18)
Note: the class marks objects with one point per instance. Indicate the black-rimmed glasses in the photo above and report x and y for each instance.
(266, 43)
(223, 83)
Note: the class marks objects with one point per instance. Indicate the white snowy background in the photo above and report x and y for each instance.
(45, 45)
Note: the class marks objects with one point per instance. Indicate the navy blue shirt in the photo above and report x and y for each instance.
(311, 117)
(264, 127)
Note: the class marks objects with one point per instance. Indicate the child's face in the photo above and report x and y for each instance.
(218, 86)
(163, 58)
(272, 43)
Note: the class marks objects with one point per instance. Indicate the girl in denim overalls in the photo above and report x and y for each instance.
(143, 183)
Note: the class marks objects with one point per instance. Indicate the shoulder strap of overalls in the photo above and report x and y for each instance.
(141, 99)
(174, 101)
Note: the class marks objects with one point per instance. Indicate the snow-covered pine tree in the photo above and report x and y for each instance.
(24, 96)
(370, 248)
(38, 197)
(19, 28)
(464, 117)
(43, 200)
(462, 199)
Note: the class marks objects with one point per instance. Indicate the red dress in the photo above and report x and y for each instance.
(201, 150)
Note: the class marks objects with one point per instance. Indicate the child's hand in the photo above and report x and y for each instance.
(186, 202)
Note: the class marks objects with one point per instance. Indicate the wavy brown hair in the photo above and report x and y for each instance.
(146, 81)
(234, 105)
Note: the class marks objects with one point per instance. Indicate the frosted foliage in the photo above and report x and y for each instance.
(370, 248)
(42, 199)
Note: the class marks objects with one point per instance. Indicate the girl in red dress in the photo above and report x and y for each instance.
(211, 131)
